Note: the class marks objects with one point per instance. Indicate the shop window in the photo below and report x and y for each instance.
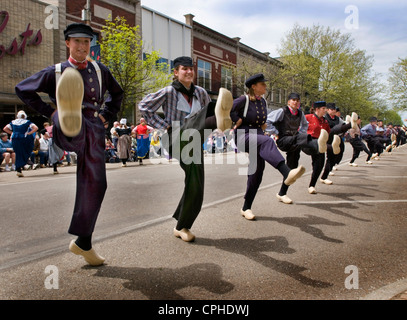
(204, 74)
(226, 78)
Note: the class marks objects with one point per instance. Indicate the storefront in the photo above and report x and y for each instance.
(28, 33)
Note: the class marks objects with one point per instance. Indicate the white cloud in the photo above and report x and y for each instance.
(261, 24)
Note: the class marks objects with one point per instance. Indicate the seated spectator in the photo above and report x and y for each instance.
(33, 161)
(7, 152)
(44, 149)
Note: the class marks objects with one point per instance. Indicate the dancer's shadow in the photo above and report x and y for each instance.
(163, 283)
(255, 249)
(335, 207)
(306, 223)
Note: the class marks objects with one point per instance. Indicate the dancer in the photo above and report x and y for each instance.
(289, 126)
(368, 133)
(358, 145)
(317, 124)
(22, 138)
(337, 128)
(78, 87)
(249, 131)
(185, 107)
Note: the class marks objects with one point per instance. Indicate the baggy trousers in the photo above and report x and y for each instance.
(91, 184)
(191, 201)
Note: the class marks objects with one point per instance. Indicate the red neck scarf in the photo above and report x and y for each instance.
(81, 65)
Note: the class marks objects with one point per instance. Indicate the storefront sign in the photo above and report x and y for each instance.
(14, 47)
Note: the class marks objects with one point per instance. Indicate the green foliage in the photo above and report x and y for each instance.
(398, 84)
(325, 65)
(122, 52)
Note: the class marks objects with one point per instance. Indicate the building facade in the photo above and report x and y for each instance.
(31, 38)
(171, 38)
(220, 59)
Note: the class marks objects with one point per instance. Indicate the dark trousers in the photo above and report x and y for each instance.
(359, 146)
(318, 161)
(293, 145)
(374, 144)
(266, 151)
(91, 184)
(191, 201)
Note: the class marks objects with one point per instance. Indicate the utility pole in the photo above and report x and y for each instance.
(86, 13)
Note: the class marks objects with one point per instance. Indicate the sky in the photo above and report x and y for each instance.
(378, 27)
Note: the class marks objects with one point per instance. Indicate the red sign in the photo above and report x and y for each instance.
(14, 47)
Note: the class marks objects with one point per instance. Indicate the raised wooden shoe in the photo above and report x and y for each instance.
(69, 96)
(222, 109)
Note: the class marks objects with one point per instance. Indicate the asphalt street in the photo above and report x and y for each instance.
(347, 242)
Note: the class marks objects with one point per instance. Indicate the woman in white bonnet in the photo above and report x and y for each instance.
(22, 138)
(124, 142)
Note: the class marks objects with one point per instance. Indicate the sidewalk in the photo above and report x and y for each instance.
(290, 252)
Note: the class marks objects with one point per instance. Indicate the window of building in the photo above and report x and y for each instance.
(226, 78)
(204, 74)
(278, 96)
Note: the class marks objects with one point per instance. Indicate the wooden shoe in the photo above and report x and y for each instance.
(184, 234)
(90, 256)
(326, 181)
(222, 109)
(312, 190)
(69, 95)
(354, 120)
(294, 175)
(248, 214)
(322, 140)
(284, 199)
(336, 144)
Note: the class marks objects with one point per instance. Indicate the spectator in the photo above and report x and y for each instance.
(44, 149)
(22, 138)
(35, 153)
(113, 134)
(142, 132)
(124, 142)
(6, 152)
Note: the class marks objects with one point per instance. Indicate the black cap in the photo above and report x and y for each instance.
(183, 61)
(78, 30)
(254, 79)
(319, 104)
(294, 95)
(331, 106)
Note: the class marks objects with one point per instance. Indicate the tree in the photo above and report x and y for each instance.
(326, 65)
(122, 52)
(398, 84)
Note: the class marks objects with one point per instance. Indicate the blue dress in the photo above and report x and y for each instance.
(23, 144)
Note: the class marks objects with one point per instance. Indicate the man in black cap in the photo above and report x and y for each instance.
(369, 134)
(77, 87)
(289, 126)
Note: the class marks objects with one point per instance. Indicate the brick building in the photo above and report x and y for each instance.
(28, 43)
(31, 38)
(218, 61)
